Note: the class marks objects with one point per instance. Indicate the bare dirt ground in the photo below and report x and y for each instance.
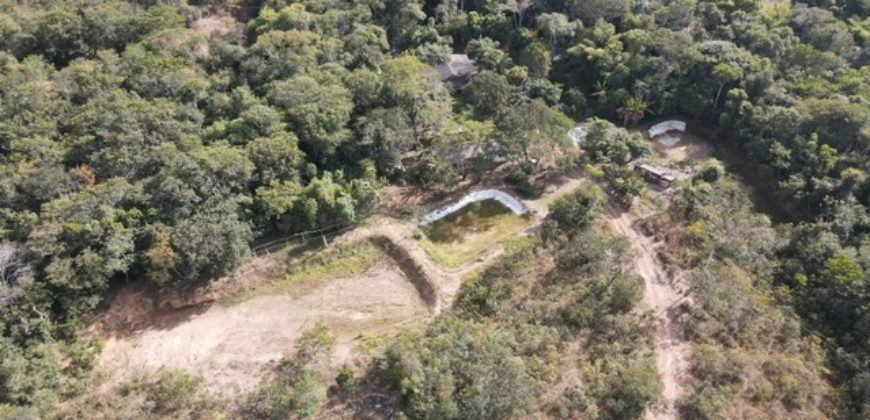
(232, 347)
(663, 298)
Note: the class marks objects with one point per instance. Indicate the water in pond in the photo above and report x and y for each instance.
(471, 232)
(473, 218)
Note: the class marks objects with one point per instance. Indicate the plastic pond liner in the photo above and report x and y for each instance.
(668, 140)
(666, 127)
(507, 200)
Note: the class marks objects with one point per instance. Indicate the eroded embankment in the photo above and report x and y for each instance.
(413, 270)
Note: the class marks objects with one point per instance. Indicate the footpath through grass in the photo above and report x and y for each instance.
(469, 233)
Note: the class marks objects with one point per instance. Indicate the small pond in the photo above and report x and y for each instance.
(471, 232)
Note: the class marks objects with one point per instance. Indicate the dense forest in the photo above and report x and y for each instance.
(159, 141)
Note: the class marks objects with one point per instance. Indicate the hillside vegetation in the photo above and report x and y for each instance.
(157, 141)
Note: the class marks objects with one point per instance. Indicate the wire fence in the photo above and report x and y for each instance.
(301, 238)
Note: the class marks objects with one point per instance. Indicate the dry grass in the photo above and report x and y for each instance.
(357, 290)
(346, 261)
(469, 233)
(305, 274)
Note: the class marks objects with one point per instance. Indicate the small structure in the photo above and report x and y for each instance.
(655, 175)
(457, 70)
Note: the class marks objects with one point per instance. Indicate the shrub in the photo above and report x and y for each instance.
(711, 171)
(174, 390)
(459, 370)
(520, 180)
(593, 171)
(572, 213)
(308, 394)
(272, 400)
(625, 183)
(435, 170)
(345, 379)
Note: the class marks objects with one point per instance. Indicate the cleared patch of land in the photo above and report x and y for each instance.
(370, 282)
(233, 346)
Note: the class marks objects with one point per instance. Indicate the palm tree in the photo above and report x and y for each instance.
(633, 110)
(600, 91)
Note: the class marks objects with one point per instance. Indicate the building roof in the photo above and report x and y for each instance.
(657, 172)
(457, 70)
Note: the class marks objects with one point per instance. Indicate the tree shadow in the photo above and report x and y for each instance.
(133, 309)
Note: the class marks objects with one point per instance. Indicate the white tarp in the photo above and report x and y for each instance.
(668, 140)
(665, 127)
(502, 197)
(578, 134)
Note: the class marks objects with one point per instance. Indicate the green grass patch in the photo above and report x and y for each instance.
(373, 343)
(345, 261)
(307, 272)
(467, 234)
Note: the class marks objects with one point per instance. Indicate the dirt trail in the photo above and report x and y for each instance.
(672, 352)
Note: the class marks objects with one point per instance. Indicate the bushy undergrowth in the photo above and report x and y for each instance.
(549, 328)
(752, 357)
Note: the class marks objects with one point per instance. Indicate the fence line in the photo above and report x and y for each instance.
(303, 237)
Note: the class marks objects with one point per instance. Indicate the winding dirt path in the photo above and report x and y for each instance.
(672, 351)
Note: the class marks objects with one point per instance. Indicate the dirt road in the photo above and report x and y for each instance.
(672, 352)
